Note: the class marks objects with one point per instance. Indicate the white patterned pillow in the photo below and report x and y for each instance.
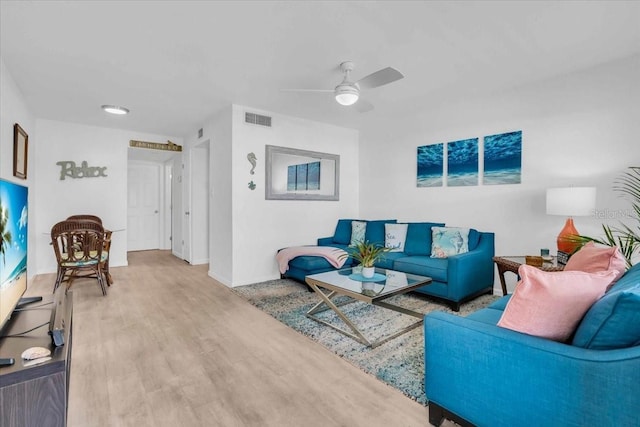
(358, 228)
(395, 236)
(448, 241)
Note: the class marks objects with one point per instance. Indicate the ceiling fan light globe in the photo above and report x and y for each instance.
(347, 98)
(346, 95)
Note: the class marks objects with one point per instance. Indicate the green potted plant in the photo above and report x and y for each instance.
(625, 236)
(367, 254)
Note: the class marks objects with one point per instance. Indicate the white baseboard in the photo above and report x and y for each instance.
(224, 280)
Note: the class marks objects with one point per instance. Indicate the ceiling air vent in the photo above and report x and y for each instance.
(257, 119)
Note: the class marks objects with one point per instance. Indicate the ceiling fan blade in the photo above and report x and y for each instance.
(307, 90)
(363, 106)
(380, 78)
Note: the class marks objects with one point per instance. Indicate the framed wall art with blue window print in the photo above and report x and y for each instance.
(294, 174)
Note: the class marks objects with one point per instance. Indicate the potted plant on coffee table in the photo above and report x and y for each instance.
(367, 254)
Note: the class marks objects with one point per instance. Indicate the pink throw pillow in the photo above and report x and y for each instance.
(591, 259)
(551, 304)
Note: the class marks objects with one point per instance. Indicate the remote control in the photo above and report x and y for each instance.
(7, 361)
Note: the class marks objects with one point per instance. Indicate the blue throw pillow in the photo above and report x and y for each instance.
(614, 320)
(419, 238)
(375, 230)
(342, 235)
(474, 238)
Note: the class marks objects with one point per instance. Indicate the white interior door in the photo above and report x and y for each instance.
(143, 210)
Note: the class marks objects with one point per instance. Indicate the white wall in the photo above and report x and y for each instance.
(13, 109)
(106, 197)
(221, 197)
(580, 129)
(246, 230)
(261, 227)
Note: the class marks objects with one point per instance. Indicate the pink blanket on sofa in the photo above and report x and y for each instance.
(335, 256)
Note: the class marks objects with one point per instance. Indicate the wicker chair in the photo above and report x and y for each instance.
(107, 243)
(78, 246)
(87, 218)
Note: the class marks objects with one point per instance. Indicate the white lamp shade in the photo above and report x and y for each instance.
(571, 201)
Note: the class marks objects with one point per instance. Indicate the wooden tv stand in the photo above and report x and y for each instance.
(36, 395)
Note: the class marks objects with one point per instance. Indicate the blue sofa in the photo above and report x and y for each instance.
(456, 279)
(477, 373)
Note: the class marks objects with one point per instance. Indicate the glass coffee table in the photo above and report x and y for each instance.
(350, 283)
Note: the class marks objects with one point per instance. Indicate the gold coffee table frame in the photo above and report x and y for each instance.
(337, 283)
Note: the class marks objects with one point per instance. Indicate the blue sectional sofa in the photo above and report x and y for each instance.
(456, 279)
(477, 373)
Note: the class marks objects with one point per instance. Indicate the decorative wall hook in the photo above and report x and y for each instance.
(252, 185)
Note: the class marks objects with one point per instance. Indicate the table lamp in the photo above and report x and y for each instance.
(570, 202)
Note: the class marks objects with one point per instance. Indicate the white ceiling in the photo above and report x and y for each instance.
(176, 63)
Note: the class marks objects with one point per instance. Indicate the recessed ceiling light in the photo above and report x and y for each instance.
(114, 109)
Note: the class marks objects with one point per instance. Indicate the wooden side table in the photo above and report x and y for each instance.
(513, 263)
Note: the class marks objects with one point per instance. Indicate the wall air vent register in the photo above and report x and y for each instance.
(257, 119)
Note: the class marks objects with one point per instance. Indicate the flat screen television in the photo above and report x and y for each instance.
(13, 247)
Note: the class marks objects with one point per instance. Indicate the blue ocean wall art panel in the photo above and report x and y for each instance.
(462, 163)
(503, 158)
(430, 165)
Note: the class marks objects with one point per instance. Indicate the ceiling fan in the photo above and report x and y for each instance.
(348, 92)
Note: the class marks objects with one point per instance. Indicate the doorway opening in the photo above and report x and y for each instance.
(150, 196)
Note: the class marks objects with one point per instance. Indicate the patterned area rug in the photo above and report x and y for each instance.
(399, 362)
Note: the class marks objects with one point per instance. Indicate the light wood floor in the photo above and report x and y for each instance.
(169, 346)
